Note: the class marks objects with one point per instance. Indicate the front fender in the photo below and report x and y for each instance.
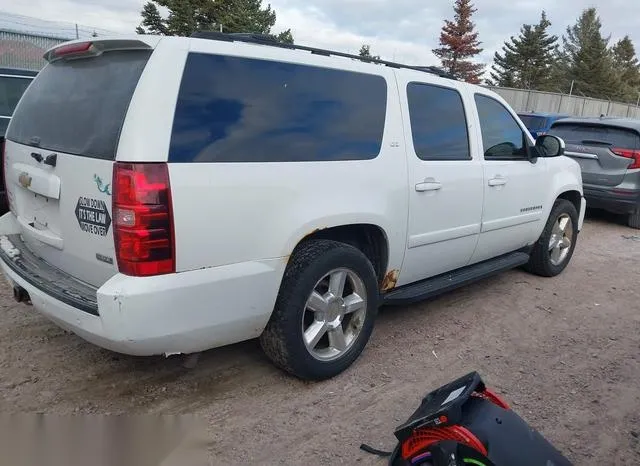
(565, 176)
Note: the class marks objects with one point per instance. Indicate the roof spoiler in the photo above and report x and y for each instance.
(85, 49)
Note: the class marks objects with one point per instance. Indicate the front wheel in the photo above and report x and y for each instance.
(325, 310)
(553, 251)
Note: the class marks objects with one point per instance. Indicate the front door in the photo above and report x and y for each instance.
(445, 180)
(515, 186)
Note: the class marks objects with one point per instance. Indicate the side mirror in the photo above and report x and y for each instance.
(550, 146)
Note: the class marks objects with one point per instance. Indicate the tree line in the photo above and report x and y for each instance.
(184, 17)
(583, 61)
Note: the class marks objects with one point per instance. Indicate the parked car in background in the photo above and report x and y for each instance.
(608, 151)
(13, 83)
(538, 124)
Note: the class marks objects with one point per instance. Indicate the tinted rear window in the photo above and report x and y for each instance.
(576, 133)
(78, 106)
(233, 109)
(533, 123)
(11, 89)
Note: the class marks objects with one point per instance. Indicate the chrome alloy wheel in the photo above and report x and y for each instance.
(334, 314)
(561, 239)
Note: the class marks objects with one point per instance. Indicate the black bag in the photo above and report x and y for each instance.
(465, 423)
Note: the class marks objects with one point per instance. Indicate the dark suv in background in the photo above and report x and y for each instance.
(608, 151)
(13, 83)
(538, 123)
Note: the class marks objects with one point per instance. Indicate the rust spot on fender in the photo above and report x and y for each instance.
(390, 280)
(313, 232)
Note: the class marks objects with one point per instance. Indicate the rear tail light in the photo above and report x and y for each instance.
(630, 154)
(143, 219)
(4, 176)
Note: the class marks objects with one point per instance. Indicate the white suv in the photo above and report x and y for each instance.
(170, 195)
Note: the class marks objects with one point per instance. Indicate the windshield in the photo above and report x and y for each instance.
(532, 122)
(78, 106)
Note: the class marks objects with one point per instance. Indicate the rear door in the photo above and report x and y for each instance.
(445, 178)
(60, 150)
(594, 147)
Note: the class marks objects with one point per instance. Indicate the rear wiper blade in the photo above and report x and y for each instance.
(596, 141)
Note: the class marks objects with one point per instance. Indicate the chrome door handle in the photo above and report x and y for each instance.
(428, 185)
(498, 181)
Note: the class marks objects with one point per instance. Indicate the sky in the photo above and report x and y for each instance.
(401, 30)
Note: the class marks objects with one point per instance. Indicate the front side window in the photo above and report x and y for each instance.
(438, 123)
(234, 109)
(502, 137)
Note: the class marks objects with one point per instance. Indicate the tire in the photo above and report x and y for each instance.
(283, 338)
(543, 262)
(634, 219)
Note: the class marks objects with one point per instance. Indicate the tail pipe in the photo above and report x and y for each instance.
(21, 295)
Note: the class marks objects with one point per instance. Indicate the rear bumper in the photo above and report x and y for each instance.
(612, 199)
(168, 314)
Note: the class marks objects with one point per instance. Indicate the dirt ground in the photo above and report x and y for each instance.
(564, 352)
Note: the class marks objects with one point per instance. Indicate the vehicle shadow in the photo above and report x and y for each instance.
(603, 216)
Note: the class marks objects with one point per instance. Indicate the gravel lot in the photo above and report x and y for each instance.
(563, 351)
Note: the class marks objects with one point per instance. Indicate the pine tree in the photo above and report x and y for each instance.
(365, 52)
(628, 68)
(459, 42)
(590, 63)
(527, 61)
(231, 16)
(152, 22)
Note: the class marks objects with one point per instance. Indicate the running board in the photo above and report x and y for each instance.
(450, 281)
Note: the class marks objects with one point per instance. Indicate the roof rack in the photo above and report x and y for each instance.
(273, 42)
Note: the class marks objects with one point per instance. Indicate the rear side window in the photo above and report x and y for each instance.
(577, 133)
(233, 109)
(533, 123)
(438, 123)
(78, 106)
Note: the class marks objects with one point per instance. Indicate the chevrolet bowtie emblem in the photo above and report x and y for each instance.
(25, 179)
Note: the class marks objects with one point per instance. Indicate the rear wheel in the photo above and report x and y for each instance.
(325, 310)
(553, 251)
(634, 219)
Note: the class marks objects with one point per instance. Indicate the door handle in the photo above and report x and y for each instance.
(429, 184)
(499, 180)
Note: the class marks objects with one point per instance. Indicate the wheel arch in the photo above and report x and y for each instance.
(573, 196)
(371, 239)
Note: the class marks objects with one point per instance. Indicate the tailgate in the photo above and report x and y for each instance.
(594, 147)
(59, 156)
